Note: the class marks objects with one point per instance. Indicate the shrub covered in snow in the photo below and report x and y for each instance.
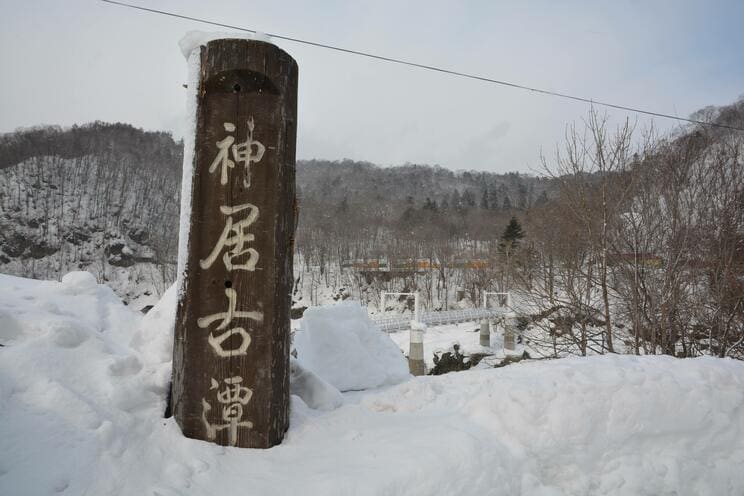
(450, 361)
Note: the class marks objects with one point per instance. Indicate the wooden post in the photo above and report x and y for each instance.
(231, 353)
(485, 333)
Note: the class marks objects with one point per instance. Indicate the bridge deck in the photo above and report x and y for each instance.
(433, 319)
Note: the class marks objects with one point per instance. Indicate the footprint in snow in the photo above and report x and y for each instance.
(61, 485)
(10, 329)
(128, 365)
(200, 466)
(67, 336)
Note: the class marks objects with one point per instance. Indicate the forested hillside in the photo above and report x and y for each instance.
(626, 242)
(105, 198)
(101, 197)
(645, 240)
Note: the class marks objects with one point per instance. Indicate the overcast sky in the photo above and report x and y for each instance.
(75, 61)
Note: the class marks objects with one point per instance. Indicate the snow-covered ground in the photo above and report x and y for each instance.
(467, 335)
(82, 391)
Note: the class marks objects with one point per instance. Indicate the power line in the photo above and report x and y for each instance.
(430, 67)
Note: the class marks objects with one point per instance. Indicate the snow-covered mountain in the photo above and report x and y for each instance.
(90, 198)
(105, 198)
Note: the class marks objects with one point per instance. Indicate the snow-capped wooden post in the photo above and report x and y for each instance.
(485, 333)
(231, 353)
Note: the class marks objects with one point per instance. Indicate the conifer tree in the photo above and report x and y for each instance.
(484, 200)
(511, 236)
(507, 203)
(493, 199)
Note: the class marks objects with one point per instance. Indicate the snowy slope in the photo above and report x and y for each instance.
(92, 213)
(83, 379)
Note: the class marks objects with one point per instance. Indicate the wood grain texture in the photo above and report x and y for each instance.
(243, 84)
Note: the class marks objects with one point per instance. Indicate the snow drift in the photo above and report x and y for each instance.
(82, 395)
(341, 344)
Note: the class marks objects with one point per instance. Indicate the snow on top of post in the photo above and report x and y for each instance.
(195, 39)
(418, 326)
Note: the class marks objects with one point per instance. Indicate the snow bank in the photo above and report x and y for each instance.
(153, 339)
(81, 413)
(63, 311)
(340, 344)
(68, 383)
(600, 425)
(314, 391)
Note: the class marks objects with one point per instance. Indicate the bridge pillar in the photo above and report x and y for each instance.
(416, 349)
(485, 333)
(510, 325)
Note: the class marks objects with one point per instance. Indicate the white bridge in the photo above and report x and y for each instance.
(447, 317)
(432, 319)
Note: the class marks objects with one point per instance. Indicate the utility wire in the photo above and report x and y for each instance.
(430, 67)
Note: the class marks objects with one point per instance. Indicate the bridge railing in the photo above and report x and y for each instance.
(433, 319)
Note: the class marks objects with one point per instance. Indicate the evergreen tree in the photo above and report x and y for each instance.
(511, 236)
(430, 205)
(468, 198)
(456, 201)
(493, 199)
(445, 202)
(507, 203)
(484, 200)
(522, 196)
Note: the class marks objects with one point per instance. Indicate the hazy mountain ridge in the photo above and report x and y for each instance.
(96, 138)
(413, 183)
